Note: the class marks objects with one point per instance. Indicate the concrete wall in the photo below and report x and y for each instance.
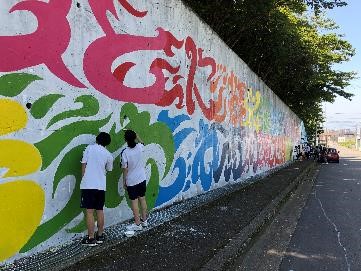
(69, 69)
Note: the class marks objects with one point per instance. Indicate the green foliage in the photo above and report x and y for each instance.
(318, 5)
(292, 50)
(348, 144)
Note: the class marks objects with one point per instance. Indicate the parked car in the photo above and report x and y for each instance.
(332, 155)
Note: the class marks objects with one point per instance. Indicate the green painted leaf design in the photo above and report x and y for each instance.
(158, 133)
(13, 84)
(90, 107)
(153, 185)
(70, 165)
(113, 199)
(51, 146)
(42, 106)
(78, 228)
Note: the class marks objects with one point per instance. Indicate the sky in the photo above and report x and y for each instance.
(343, 114)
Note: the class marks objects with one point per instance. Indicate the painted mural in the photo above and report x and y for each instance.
(70, 69)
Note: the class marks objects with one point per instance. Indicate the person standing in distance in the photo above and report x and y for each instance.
(97, 160)
(134, 179)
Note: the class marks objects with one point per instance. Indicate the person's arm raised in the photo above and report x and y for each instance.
(139, 139)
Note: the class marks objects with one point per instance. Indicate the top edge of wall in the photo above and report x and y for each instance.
(186, 6)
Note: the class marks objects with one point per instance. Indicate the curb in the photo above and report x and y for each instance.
(243, 241)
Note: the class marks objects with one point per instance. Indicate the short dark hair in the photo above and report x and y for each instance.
(103, 139)
(130, 137)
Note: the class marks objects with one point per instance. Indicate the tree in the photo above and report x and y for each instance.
(318, 5)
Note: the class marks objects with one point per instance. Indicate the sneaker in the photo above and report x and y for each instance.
(144, 223)
(99, 238)
(134, 227)
(91, 242)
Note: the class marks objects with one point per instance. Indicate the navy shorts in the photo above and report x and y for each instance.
(137, 191)
(92, 199)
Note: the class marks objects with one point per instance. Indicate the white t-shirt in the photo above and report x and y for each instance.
(132, 159)
(98, 161)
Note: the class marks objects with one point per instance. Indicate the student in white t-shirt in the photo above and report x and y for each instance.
(97, 160)
(134, 179)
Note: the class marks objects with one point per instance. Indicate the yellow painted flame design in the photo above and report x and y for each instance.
(22, 201)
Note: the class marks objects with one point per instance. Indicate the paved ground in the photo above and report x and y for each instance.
(328, 235)
(191, 240)
(269, 248)
(186, 236)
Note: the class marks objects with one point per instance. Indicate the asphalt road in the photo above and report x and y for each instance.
(328, 234)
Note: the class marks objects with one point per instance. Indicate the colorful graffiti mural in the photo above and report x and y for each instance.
(17, 159)
(205, 117)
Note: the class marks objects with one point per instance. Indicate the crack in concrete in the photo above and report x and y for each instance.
(336, 229)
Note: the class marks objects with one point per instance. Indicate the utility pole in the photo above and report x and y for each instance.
(357, 138)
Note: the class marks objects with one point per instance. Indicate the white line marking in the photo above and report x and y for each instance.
(336, 229)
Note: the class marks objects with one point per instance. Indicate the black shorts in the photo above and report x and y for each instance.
(92, 199)
(137, 191)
